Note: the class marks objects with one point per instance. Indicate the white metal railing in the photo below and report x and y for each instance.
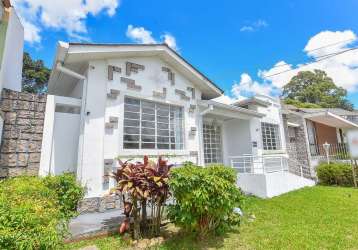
(263, 164)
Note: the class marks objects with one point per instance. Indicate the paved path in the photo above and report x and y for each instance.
(95, 223)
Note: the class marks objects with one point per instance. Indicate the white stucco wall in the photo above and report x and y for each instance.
(99, 143)
(11, 65)
(272, 115)
(236, 139)
(59, 150)
(272, 184)
(65, 143)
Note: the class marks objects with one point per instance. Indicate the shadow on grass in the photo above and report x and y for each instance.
(180, 240)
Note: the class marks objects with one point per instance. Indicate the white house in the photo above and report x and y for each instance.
(11, 47)
(116, 100)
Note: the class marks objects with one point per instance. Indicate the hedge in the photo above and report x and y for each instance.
(34, 211)
(205, 198)
(338, 174)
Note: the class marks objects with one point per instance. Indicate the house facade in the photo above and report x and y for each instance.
(315, 135)
(108, 100)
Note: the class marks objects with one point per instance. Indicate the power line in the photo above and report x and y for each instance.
(322, 58)
(322, 47)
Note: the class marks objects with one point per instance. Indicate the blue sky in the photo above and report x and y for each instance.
(230, 41)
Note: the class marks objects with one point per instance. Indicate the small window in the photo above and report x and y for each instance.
(151, 125)
(270, 136)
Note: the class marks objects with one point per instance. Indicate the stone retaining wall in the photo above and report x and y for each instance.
(20, 150)
(100, 204)
(297, 148)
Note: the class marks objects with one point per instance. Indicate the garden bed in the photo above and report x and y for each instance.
(311, 218)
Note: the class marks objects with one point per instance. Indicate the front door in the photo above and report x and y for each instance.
(212, 144)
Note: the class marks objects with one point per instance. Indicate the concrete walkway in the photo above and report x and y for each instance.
(91, 224)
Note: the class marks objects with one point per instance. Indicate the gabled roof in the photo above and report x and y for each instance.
(74, 53)
(253, 101)
(330, 119)
(230, 108)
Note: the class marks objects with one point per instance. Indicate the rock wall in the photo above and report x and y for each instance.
(296, 145)
(20, 150)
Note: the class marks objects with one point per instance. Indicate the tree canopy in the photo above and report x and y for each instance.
(35, 75)
(315, 90)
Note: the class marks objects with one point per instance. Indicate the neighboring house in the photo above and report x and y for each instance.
(308, 130)
(11, 47)
(111, 100)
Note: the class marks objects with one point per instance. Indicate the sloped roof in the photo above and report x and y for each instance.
(75, 53)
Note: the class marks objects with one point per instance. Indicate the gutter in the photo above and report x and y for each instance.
(210, 108)
(69, 72)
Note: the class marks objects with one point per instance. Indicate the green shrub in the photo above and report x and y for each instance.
(32, 212)
(204, 198)
(68, 193)
(335, 174)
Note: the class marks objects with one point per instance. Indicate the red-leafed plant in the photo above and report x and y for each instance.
(142, 185)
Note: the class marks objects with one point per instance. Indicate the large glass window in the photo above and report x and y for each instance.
(270, 136)
(212, 144)
(151, 125)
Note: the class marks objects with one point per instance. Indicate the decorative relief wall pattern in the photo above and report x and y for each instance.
(131, 84)
(112, 69)
(133, 68)
(171, 75)
(182, 94)
(160, 94)
(192, 91)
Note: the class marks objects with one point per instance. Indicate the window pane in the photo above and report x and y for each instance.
(131, 123)
(131, 108)
(163, 146)
(163, 132)
(146, 117)
(162, 139)
(133, 101)
(131, 145)
(131, 138)
(148, 131)
(270, 136)
(148, 145)
(130, 130)
(147, 124)
(147, 138)
(152, 125)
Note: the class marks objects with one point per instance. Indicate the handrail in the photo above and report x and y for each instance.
(256, 164)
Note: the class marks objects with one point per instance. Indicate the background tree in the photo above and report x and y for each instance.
(314, 90)
(35, 75)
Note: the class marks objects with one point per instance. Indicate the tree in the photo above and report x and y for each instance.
(315, 89)
(35, 75)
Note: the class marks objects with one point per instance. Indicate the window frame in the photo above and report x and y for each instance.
(169, 140)
(212, 143)
(271, 136)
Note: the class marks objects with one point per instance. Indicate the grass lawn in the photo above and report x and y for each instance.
(311, 218)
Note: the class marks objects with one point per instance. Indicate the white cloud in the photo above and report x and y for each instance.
(254, 26)
(170, 41)
(142, 35)
(249, 87)
(32, 32)
(225, 99)
(342, 68)
(68, 15)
